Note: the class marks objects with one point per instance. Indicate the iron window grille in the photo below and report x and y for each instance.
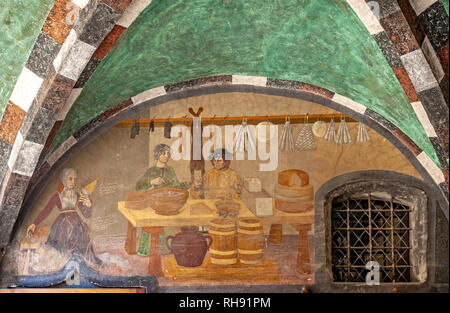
(370, 229)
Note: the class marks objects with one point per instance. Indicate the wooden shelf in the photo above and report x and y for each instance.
(232, 120)
(266, 271)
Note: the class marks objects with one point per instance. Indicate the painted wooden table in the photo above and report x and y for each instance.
(154, 224)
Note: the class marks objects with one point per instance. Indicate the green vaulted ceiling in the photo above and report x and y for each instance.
(445, 2)
(321, 42)
(20, 24)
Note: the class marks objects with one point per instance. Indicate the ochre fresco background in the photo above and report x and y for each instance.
(120, 161)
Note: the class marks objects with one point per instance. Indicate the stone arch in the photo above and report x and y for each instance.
(410, 57)
(65, 56)
(360, 181)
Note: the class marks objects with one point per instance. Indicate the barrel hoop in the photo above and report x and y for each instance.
(220, 233)
(214, 251)
(242, 251)
(250, 232)
(250, 262)
(223, 261)
(222, 225)
(257, 224)
(222, 229)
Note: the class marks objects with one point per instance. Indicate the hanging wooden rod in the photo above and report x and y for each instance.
(232, 120)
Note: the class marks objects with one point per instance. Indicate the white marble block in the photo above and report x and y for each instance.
(252, 184)
(264, 206)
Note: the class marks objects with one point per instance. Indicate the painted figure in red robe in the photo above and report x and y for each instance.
(69, 233)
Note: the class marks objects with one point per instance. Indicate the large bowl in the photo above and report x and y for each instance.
(227, 207)
(168, 200)
(136, 200)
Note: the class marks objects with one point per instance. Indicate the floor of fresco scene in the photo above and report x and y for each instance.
(117, 262)
(284, 255)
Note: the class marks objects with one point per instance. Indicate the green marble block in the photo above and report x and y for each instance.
(20, 24)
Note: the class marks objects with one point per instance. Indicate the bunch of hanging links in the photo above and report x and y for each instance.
(342, 136)
(305, 139)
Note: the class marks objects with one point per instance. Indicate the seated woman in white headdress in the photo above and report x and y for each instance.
(68, 232)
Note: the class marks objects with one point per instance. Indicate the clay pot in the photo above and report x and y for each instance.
(189, 246)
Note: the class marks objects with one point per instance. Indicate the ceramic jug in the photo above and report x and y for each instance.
(189, 246)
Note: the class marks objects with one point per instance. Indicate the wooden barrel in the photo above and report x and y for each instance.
(250, 241)
(223, 250)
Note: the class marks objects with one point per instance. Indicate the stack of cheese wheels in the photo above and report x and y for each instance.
(223, 250)
(250, 241)
(293, 193)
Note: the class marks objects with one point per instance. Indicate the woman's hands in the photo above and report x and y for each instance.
(85, 200)
(157, 181)
(30, 230)
(237, 186)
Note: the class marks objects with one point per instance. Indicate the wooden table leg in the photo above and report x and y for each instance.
(276, 234)
(154, 264)
(130, 242)
(303, 261)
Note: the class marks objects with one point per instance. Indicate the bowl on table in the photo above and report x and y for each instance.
(136, 200)
(227, 207)
(168, 200)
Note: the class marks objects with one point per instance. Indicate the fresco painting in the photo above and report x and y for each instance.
(217, 220)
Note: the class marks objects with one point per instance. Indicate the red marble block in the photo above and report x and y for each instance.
(61, 20)
(406, 83)
(109, 42)
(11, 122)
(398, 31)
(118, 5)
(407, 142)
(316, 90)
(443, 58)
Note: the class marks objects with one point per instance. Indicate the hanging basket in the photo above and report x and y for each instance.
(343, 135)
(330, 135)
(305, 139)
(363, 134)
(287, 141)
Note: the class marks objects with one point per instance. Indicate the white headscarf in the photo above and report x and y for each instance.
(68, 196)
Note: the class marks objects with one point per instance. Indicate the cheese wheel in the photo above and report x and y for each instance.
(289, 177)
(295, 191)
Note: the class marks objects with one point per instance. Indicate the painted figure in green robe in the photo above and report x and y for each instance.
(158, 176)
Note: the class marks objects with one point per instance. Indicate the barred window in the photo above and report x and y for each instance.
(370, 229)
